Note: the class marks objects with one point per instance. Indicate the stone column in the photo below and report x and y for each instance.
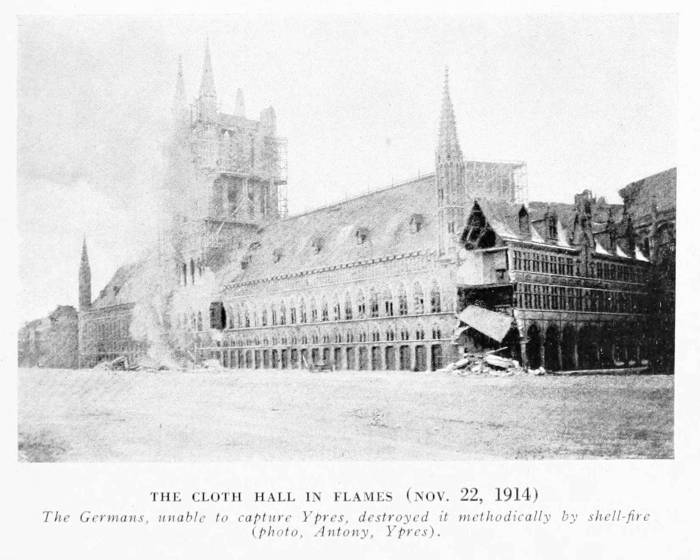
(560, 355)
(542, 349)
(523, 352)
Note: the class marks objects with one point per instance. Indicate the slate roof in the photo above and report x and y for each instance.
(120, 289)
(384, 216)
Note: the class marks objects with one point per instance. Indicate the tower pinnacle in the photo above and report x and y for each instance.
(206, 104)
(84, 280)
(447, 136)
(206, 88)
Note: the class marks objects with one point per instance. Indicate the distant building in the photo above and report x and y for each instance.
(50, 342)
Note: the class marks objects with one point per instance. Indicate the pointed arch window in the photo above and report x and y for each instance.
(435, 304)
(361, 307)
(314, 310)
(283, 314)
(403, 301)
(373, 303)
(336, 309)
(418, 301)
(324, 310)
(302, 311)
(348, 306)
(388, 302)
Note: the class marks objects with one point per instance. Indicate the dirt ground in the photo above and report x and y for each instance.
(231, 415)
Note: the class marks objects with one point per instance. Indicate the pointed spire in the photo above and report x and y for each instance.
(207, 89)
(447, 136)
(84, 256)
(84, 280)
(239, 111)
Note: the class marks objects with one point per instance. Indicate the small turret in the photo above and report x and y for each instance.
(84, 281)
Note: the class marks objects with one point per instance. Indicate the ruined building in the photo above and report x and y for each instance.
(374, 282)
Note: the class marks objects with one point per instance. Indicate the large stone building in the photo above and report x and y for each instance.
(373, 282)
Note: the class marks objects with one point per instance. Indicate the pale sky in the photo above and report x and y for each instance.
(586, 101)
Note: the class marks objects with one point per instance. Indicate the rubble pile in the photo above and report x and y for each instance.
(145, 363)
(488, 363)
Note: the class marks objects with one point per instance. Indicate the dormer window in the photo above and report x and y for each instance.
(317, 244)
(255, 245)
(416, 223)
(362, 234)
(524, 222)
(245, 262)
(551, 228)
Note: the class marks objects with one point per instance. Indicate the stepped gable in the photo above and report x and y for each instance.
(567, 212)
(333, 235)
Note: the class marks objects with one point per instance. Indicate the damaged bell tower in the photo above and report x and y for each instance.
(228, 171)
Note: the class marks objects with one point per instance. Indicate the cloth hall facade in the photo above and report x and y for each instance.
(375, 282)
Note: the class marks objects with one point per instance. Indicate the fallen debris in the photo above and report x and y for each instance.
(212, 364)
(488, 363)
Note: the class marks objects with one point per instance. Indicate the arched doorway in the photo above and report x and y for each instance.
(421, 361)
(435, 357)
(405, 357)
(376, 358)
(350, 357)
(551, 349)
(605, 346)
(337, 358)
(533, 347)
(568, 348)
(363, 360)
(389, 358)
(512, 341)
(587, 348)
